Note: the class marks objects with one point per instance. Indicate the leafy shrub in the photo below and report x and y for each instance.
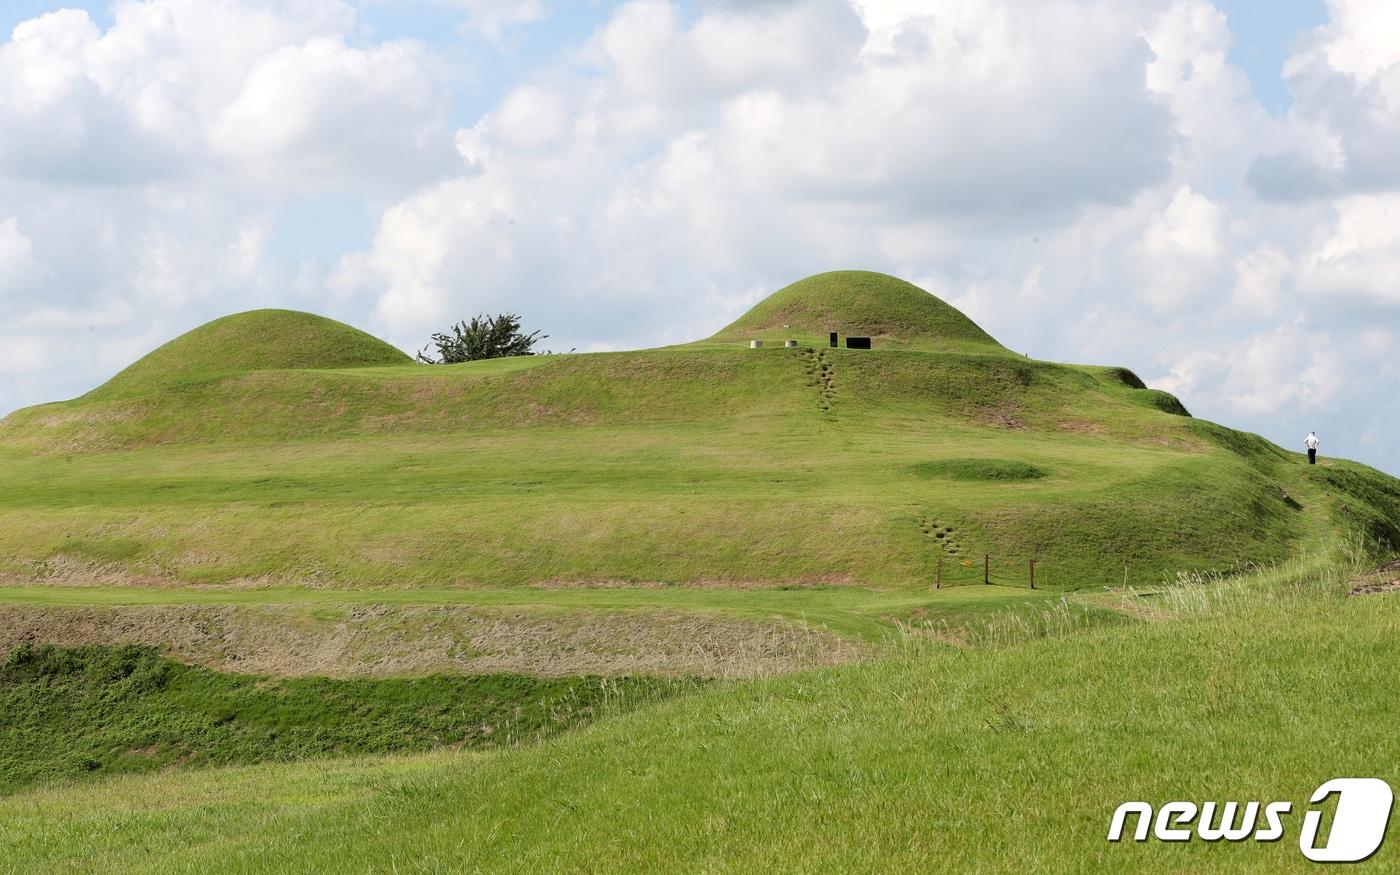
(484, 337)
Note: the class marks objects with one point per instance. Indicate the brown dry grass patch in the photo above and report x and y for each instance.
(1081, 426)
(1001, 416)
(62, 569)
(801, 582)
(1382, 580)
(393, 641)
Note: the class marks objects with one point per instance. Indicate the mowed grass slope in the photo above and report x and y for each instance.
(258, 340)
(709, 464)
(91, 712)
(1008, 757)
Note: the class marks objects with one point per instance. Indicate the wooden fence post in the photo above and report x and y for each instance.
(1032, 574)
(986, 568)
(939, 578)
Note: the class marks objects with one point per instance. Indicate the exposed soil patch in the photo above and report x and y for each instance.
(1003, 416)
(392, 641)
(1373, 588)
(1383, 579)
(1081, 426)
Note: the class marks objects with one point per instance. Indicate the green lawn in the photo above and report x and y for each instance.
(1002, 757)
(91, 712)
(282, 491)
(769, 499)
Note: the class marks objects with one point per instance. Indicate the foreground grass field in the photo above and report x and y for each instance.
(1008, 756)
(156, 713)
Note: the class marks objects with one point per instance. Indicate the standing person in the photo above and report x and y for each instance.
(1311, 444)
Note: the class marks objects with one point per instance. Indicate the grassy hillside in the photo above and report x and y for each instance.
(763, 498)
(93, 712)
(1007, 757)
(214, 462)
(258, 340)
(277, 539)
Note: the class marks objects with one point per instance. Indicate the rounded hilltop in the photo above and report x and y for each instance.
(861, 303)
(258, 340)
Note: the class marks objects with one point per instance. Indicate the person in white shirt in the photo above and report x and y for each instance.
(1311, 444)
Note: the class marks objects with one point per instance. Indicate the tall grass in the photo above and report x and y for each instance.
(1006, 756)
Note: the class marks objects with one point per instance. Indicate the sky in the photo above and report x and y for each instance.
(1205, 193)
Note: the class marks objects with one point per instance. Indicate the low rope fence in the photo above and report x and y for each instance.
(986, 572)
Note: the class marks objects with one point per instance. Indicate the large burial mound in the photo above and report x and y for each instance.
(259, 340)
(856, 302)
(275, 446)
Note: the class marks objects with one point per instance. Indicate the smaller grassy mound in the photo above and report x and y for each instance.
(978, 469)
(1158, 399)
(1253, 449)
(259, 340)
(1372, 504)
(862, 303)
(1124, 377)
(93, 711)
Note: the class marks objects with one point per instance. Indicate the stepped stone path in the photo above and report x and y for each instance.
(821, 376)
(944, 536)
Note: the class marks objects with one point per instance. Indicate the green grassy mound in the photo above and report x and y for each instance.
(259, 340)
(1163, 401)
(1372, 506)
(1123, 376)
(861, 303)
(708, 464)
(97, 711)
(979, 469)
